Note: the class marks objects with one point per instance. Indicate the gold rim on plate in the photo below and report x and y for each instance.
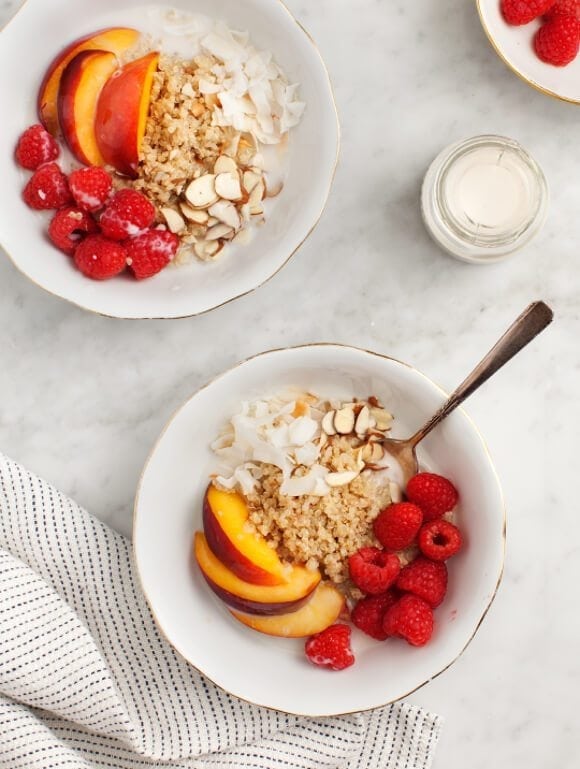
(533, 83)
(226, 373)
(288, 258)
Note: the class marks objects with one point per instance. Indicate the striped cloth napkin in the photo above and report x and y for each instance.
(87, 681)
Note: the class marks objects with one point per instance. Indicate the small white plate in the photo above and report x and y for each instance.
(274, 672)
(514, 45)
(195, 288)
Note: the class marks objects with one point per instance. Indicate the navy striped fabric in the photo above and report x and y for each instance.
(87, 681)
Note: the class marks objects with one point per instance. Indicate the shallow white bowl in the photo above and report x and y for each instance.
(274, 672)
(515, 46)
(27, 45)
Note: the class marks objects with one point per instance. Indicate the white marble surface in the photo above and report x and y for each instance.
(82, 398)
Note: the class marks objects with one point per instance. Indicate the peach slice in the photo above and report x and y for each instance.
(117, 40)
(122, 114)
(254, 599)
(80, 87)
(320, 612)
(246, 554)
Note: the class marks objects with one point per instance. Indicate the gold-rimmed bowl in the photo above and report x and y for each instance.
(274, 672)
(191, 289)
(514, 45)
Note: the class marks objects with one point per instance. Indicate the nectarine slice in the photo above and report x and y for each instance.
(80, 86)
(247, 554)
(117, 40)
(122, 114)
(254, 599)
(321, 611)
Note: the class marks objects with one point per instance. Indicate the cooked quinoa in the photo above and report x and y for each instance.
(320, 532)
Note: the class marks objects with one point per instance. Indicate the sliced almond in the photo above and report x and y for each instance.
(193, 214)
(344, 421)
(340, 479)
(273, 190)
(323, 440)
(218, 231)
(360, 463)
(212, 221)
(328, 423)
(228, 186)
(245, 212)
(395, 492)
(363, 421)
(377, 453)
(255, 199)
(232, 148)
(175, 222)
(383, 419)
(207, 249)
(225, 165)
(202, 193)
(227, 213)
(246, 149)
(251, 180)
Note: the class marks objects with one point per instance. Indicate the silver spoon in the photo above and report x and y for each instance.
(529, 324)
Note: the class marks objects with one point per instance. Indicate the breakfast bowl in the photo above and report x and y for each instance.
(306, 154)
(270, 670)
(515, 47)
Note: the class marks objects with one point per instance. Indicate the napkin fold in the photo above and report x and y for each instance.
(88, 682)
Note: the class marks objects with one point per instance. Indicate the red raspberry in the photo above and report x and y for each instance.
(564, 8)
(151, 252)
(36, 147)
(372, 570)
(558, 40)
(99, 258)
(439, 540)
(397, 525)
(523, 11)
(68, 228)
(434, 494)
(331, 648)
(426, 579)
(410, 618)
(369, 613)
(48, 188)
(128, 214)
(90, 187)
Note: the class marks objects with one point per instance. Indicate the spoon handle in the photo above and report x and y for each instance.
(530, 323)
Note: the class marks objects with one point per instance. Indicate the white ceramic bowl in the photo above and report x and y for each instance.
(274, 672)
(28, 44)
(514, 45)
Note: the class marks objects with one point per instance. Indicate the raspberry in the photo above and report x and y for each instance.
(331, 648)
(372, 570)
(128, 214)
(410, 618)
(564, 8)
(434, 494)
(439, 540)
(558, 40)
(425, 579)
(35, 148)
(48, 188)
(68, 228)
(523, 11)
(90, 187)
(151, 252)
(397, 525)
(99, 258)
(369, 613)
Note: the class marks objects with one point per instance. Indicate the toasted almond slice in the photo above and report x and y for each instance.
(243, 237)
(225, 165)
(195, 215)
(227, 213)
(201, 193)
(251, 180)
(344, 421)
(383, 419)
(232, 149)
(207, 249)
(360, 463)
(328, 423)
(246, 149)
(256, 197)
(395, 492)
(340, 479)
(274, 189)
(323, 440)
(245, 212)
(228, 186)
(175, 221)
(218, 231)
(377, 453)
(363, 421)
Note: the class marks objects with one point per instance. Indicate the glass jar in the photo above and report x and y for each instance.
(484, 198)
